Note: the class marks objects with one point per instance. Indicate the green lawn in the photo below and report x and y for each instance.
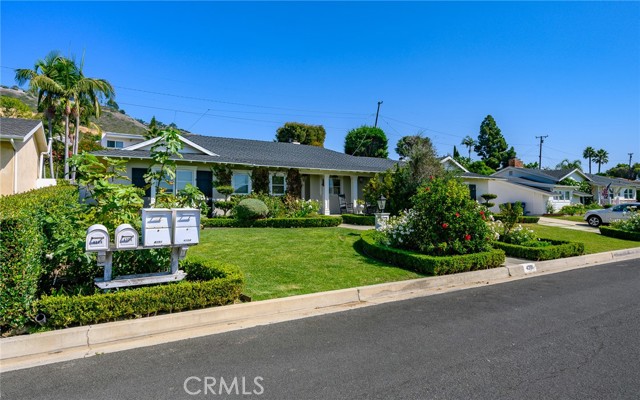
(286, 262)
(593, 242)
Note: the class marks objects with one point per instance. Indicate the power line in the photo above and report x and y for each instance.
(540, 156)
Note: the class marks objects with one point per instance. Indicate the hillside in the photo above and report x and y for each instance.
(109, 121)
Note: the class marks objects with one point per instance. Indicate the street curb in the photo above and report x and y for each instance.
(26, 351)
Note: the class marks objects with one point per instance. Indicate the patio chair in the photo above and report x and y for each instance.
(345, 206)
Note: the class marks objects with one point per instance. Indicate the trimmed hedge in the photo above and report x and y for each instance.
(619, 233)
(558, 249)
(522, 219)
(40, 232)
(208, 283)
(432, 265)
(311, 222)
(357, 219)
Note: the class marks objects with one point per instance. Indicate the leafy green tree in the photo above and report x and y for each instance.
(153, 129)
(589, 153)
(366, 141)
(469, 142)
(479, 167)
(163, 153)
(312, 135)
(602, 157)
(532, 165)
(406, 143)
(622, 171)
(491, 146)
(456, 154)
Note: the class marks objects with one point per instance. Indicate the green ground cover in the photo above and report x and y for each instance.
(287, 262)
(593, 242)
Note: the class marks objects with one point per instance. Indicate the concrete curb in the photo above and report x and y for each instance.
(48, 347)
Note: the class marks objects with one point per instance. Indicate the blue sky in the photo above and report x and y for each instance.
(568, 70)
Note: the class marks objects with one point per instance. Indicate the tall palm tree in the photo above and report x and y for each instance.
(566, 164)
(48, 94)
(469, 142)
(602, 157)
(589, 153)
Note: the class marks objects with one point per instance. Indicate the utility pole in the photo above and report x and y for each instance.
(540, 156)
(377, 112)
(630, 169)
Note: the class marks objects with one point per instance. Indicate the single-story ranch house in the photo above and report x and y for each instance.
(325, 173)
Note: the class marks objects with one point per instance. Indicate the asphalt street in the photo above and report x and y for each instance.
(572, 335)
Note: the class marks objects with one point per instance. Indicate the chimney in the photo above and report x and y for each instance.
(516, 163)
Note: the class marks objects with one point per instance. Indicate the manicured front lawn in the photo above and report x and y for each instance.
(287, 262)
(593, 242)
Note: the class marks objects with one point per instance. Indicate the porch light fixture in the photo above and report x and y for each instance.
(382, 202)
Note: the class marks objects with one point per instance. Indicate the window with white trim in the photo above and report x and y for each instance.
(628, 194)
(334, 185)
(183, 177)
(240, 183)
(115, 144)
(562, 195)
(278, 185)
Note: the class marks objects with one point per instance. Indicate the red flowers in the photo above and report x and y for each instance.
(458, 215)
(427, 189)
(467, 237)
(445, 225)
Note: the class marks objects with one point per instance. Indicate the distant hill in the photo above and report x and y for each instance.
(110, 120)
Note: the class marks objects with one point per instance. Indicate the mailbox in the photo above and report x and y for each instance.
(126, 237)
(186, 222)
(157, 224)
(97, 238)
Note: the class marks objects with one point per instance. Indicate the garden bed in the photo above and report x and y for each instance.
(308, 222)
(432, 265)
(356, 219)
(556, 249)
(619, 233)
(208, 283)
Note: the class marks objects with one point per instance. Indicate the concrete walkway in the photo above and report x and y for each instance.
(356, 227)
(561, 223)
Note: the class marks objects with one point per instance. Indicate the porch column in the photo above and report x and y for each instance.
(354, 192)
(325, 196)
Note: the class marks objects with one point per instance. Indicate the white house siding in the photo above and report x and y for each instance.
(509, 193)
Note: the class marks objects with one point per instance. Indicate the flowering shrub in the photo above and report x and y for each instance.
(298, 208)
(520, 236)
(630, 225)
(444, 220)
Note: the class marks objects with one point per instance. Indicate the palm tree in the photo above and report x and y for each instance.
(589, 153)
(601, 157)
(566, 164)
(469, 142)
(39, 78)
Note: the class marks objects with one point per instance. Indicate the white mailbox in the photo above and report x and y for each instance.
(157, 224)
(97, 238)
(186, 223)
(126, 237)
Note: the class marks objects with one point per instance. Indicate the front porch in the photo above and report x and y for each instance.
(326, 189)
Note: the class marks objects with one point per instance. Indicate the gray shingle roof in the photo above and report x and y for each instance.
(17, 127)
(268, 154)
(605, 180)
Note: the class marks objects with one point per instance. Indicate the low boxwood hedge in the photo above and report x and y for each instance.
(431, 265)
(356, 219)
(619, 233)
(523, 219)
(208, 283)
(310, 222)
(557, 249)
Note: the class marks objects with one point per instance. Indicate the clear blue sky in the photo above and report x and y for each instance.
(567, 70)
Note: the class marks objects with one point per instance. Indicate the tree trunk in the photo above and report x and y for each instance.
(76, 139)
(66, 145)
(50, 142)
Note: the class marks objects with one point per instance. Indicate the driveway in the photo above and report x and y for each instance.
(561, 223)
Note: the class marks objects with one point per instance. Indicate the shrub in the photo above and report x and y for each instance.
(294, 183)
(555, 249)
(222, 175)
(260, 180)
(573, 209)
(446, 221)
(511, 212)
(312, 222)
(298, 208)
(525, 219)
(619, 233)
(632, 224)
(250, 209)
(487, 197)
(426, 264)
(356, 219)
(208, 283)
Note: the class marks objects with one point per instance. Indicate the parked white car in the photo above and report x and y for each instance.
(606, 216)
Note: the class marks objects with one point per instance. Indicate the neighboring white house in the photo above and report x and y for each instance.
(114, 140)
(325, 173)
(23, 146)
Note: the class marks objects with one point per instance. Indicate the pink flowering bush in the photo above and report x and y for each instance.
(443, 220)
